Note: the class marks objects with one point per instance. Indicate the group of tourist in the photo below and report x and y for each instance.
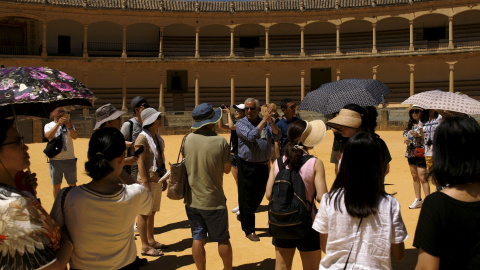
(358, 225)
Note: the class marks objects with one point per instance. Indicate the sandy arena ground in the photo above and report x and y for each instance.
(172, 227)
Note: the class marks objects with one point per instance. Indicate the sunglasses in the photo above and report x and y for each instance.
(416, 111)
(250, 108)
(17, 142)
(239, 110)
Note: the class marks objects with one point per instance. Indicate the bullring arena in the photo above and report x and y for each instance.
(182, 53)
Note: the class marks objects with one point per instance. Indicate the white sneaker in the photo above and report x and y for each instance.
(135, 229)
(236, 209)
(238, 213)
(416, 204)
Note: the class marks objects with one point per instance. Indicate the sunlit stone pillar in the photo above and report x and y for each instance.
(232, 90)
(338, 40)
(451, 81)
(85, 40)
(412, 79)
(197, 42)
(232, 42)
(302, 41)
(267, 87)
(412, 48)
(450, 33)
(124, 42)
(44, 39)
(160, 46)
(374, 72)
(302, 84)
(197, 89)
(124, 92)
(267, 52)
(374, 42)
(339, 72)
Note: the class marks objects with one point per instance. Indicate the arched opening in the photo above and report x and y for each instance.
(143, 40)
(251, 40)
(320, 38)
(466, 29)
(356, 36)
(105, 39)
(393, 34)
(214, 40)
(64, 38)
(20, 36)
(178, 40)
(284, 39)
(431, 32)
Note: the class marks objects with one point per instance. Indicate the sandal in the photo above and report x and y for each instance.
(152, 252)
(157, 245)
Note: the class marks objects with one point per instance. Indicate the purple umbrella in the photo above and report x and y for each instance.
(37, 91)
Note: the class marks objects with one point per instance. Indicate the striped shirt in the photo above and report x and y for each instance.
(252, 145)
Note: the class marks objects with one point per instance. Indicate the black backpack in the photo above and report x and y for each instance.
(289, 217)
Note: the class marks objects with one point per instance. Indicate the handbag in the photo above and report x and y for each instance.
(54, 146)
(419, 152)
(178, 181)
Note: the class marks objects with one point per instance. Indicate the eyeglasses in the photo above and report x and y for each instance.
(17, 142)
(416, 111)
(250, 108)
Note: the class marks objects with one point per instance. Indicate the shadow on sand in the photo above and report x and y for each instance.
(169, 262)
(265, 264)
(184, 224)
(409, 262)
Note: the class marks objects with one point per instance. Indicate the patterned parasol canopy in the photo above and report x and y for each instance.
(442, 100)
(37, 91)
(331, 97)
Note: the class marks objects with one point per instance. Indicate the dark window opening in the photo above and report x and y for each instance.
(64, 44)
(249, 42)
(432, 34)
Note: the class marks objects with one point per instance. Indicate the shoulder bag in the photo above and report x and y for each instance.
(178, 181)
(419, 152)
(55, 145)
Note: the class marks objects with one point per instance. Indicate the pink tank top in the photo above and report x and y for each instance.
(307, 171)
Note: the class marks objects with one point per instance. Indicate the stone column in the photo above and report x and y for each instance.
(85, 111)
(338, 39)
(124, 42)
(232, 90)
(197, 89)
(412, 79)
(374, 48)
(267, 87)
(232, 42)
(44, 39)
(267, 52)
(160, 46)
(197, 42)
(451, 82)
(161, 105)
(374, 72)
(412, 48)
(124, 92)
(338, 74)
(85, 40)
(302, 41)
(450, 33)
(302, 84)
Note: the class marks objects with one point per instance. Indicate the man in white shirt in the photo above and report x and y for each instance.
(65, 163)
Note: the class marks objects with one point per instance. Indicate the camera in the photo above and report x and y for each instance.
(223, 106)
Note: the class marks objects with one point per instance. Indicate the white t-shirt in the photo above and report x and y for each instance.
(371, 246)
(65, 154)
(101, 226)
(429, 131)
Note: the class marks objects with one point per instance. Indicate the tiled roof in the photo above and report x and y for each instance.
(221, 6)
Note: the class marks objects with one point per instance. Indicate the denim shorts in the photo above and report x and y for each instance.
(310, 242)
(60, 168)
(419, 162)
(213, 222)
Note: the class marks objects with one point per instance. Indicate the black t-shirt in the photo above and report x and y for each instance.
(449, 229)
(233, 142)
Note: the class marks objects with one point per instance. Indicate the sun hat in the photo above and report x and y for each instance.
(314, 133)
(415, 107)
(148, 116)
(204, 114)
(106, 113)
(136, 101)
(346, 118)
(239, 107)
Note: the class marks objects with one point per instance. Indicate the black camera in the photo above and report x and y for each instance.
(223, 106)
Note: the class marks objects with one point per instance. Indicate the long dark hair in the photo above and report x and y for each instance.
(360, 177)
(5, 124)
(456, 155)
(105, 145)
(411, 121)
(294, 155)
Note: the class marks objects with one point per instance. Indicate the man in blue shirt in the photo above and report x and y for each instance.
(254, 150)
(288, 107)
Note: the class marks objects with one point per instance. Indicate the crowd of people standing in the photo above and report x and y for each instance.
(358, 224)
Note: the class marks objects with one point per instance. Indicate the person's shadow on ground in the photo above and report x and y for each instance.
(409, 262)
(265, 264)
(184, 224)
(169, 262)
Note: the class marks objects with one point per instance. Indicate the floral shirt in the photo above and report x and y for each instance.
(28, 235)
(414, 141)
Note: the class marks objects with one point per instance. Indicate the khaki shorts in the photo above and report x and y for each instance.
(157, 196)
(429, 161)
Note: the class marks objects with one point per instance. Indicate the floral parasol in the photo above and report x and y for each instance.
(37, 91)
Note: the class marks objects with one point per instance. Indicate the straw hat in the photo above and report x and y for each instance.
(149, 115)
(106, 113)
(204, 114)
(314, 133)
(415, 107)
(346, 118)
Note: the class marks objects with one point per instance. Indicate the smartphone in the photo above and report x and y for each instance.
(139, 151)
